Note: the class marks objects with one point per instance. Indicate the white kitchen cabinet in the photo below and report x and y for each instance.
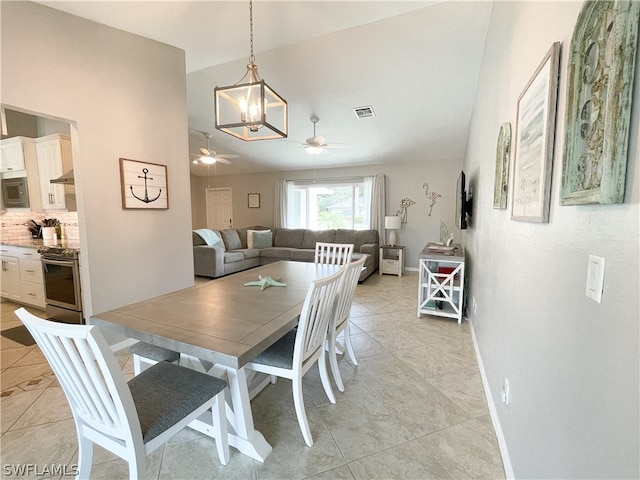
(22, 279)
(11, 288)
(13, 154)
(54, 159)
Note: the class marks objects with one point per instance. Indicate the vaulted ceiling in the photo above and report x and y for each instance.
(415, 63)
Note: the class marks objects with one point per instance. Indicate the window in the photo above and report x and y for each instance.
(327, 204)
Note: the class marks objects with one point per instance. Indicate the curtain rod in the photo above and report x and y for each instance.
(330, 179)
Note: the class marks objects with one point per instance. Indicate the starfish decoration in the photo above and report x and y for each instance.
(264, 282)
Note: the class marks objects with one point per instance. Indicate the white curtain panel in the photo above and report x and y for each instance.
(378, 195)
(280, 204)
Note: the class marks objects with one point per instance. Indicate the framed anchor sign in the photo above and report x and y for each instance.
(144, 185)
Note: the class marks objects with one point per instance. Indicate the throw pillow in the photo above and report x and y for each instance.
(231, 239)
(250, 237)
(209, 236)
(262, 239)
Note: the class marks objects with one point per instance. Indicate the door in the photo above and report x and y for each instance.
(219, 208)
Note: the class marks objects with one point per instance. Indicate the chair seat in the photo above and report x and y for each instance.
(280, 354)
(159, 354)
(165, 393)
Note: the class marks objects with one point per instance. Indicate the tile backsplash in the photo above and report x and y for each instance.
(13, 224)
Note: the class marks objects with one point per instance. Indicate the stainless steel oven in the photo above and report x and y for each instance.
(63, 296)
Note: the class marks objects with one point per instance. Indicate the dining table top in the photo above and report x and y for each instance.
(222, 320)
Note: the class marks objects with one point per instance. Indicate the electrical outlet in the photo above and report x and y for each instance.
(504, 393)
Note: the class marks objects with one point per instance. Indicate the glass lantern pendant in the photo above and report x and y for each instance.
(251, 110)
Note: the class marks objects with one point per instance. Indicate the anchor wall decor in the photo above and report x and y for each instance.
(144, 185)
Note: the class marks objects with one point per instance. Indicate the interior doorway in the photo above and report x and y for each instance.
(219, 208)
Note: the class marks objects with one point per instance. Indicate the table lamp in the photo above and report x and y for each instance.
(392, 223)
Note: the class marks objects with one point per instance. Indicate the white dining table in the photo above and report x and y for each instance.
(227, 324)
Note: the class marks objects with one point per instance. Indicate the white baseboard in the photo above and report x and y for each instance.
(502, 443)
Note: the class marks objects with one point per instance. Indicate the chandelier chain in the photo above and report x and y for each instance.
(252, 58)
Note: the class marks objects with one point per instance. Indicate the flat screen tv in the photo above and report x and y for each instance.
(463, 204)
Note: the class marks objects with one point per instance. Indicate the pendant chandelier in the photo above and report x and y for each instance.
(241, 109)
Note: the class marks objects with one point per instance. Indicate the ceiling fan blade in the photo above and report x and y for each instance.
(227, 155)
(220, 159)
(205, 152)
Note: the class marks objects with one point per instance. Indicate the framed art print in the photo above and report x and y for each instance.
(143, 185)
(535, 132)
(254, 200)
(501, 180)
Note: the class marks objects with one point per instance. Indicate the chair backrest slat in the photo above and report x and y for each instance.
(319, 307)
(88, 373)
(333, 253)
(347, 290)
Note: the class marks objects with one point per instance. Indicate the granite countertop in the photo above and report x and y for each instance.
(37, 243)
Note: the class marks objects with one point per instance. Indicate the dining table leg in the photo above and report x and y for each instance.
(242, 433)
(246, 438)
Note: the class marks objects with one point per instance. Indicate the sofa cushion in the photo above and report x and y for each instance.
(303, 254)
(357, 237)
(231, 239)
(251, 252)
(262, 239)
(230, 257)
(205, 236)
(313, 236)
(288, 237)
(281, 253)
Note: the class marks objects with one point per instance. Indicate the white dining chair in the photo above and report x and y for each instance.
(295, 353)
(341, 321)
(147, 354)
(130, 419)
(333, 253)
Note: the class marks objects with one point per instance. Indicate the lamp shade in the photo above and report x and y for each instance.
(392, 222)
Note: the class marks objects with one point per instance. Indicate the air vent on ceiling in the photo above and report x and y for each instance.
(364, 112)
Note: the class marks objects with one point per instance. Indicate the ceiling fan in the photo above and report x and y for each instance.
(209, 157)
(317, 144)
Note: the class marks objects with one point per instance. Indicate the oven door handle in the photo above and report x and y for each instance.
(62, 263)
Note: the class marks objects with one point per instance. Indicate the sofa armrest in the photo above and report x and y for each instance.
(370, 248)
(208, 261)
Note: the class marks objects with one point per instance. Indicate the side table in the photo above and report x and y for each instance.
(391, 260)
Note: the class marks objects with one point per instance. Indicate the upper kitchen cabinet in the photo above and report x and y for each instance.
(13, 154)
(54, 159)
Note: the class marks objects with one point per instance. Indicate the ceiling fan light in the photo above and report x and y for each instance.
(313, 149)
(207, 160)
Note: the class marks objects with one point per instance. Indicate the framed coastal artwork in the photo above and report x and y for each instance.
(501, 180)
(535, 132)
(143, 185)
(599, 94)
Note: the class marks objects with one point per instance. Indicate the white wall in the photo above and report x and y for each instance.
(403, 180)
(125, 97)
(573, 364)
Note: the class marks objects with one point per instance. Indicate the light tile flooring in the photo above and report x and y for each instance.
(413, 408)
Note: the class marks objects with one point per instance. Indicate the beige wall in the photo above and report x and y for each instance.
(125, 97)
(573, 364)
(402, 180)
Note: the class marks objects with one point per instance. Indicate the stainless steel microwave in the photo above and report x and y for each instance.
(15, 193)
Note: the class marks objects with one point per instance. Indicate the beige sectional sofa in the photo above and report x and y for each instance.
(229, 251)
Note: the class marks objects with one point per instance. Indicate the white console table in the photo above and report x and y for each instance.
(441, 283)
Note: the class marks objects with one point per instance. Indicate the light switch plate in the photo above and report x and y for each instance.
(595, 278)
